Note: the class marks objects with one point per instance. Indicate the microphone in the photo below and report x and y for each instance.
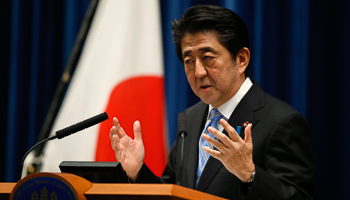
(81, 125)
(68, 131)
(181, 127)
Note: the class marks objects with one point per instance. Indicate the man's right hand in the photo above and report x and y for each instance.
(130, 153)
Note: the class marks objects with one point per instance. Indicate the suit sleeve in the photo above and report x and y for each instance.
(288, 172)
(169, 173)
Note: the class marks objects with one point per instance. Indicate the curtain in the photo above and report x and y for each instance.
(299, 53)
(42, 34)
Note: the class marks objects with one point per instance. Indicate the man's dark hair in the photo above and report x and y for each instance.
(232, 32)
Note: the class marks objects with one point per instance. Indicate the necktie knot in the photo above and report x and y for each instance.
(215, 117)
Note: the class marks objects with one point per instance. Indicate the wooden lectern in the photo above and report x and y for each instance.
(68, 186)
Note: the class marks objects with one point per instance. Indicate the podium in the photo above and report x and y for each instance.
(66, 186)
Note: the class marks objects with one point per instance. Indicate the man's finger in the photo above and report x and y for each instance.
(119, 130)
(231, 131)
(214, 142)
(221, 145)
(248, 134)
(115, 138)
(115, 142)
(137, 130)
(212, 152)
(115, 122)
(112, 132)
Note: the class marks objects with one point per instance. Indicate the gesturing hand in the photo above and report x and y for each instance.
(235, 154)
(130, 153)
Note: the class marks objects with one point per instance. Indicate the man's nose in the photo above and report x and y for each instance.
(200, 69)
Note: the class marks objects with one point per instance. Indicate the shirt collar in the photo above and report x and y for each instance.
(227, 108)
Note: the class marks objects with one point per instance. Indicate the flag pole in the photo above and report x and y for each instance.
(36, 162)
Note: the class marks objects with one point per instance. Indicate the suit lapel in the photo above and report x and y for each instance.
(243, 112)
(197, 122)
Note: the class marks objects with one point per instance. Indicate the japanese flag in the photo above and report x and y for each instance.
(119, 72)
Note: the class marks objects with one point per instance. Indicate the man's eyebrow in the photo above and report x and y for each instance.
(203, 49)
(207, 49)
(186, 53)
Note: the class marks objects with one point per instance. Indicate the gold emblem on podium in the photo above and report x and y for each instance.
(44, 195)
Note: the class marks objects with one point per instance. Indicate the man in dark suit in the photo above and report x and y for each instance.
(242, 143)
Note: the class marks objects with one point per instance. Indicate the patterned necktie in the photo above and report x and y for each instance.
(215, 116)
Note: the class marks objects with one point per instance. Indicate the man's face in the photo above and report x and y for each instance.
(212, 73)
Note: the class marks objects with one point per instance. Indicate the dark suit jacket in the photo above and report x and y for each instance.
(281, 153)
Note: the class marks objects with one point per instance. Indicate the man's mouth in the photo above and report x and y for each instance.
(204, 86)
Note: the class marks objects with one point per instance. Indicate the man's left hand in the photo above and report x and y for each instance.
(235, 154)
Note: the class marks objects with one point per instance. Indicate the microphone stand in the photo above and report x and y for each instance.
(31, 149)
(182, 135)
(67, 131)
(182, 141)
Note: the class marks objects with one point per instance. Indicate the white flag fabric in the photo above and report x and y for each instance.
(120, 71)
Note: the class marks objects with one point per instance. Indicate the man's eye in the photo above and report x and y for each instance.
(206, 57)
(188, 61)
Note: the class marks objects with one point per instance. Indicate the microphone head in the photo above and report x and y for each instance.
(81, 125)
(181, 126)
(95, 120)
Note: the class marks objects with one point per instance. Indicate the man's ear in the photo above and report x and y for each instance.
(242, 59)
